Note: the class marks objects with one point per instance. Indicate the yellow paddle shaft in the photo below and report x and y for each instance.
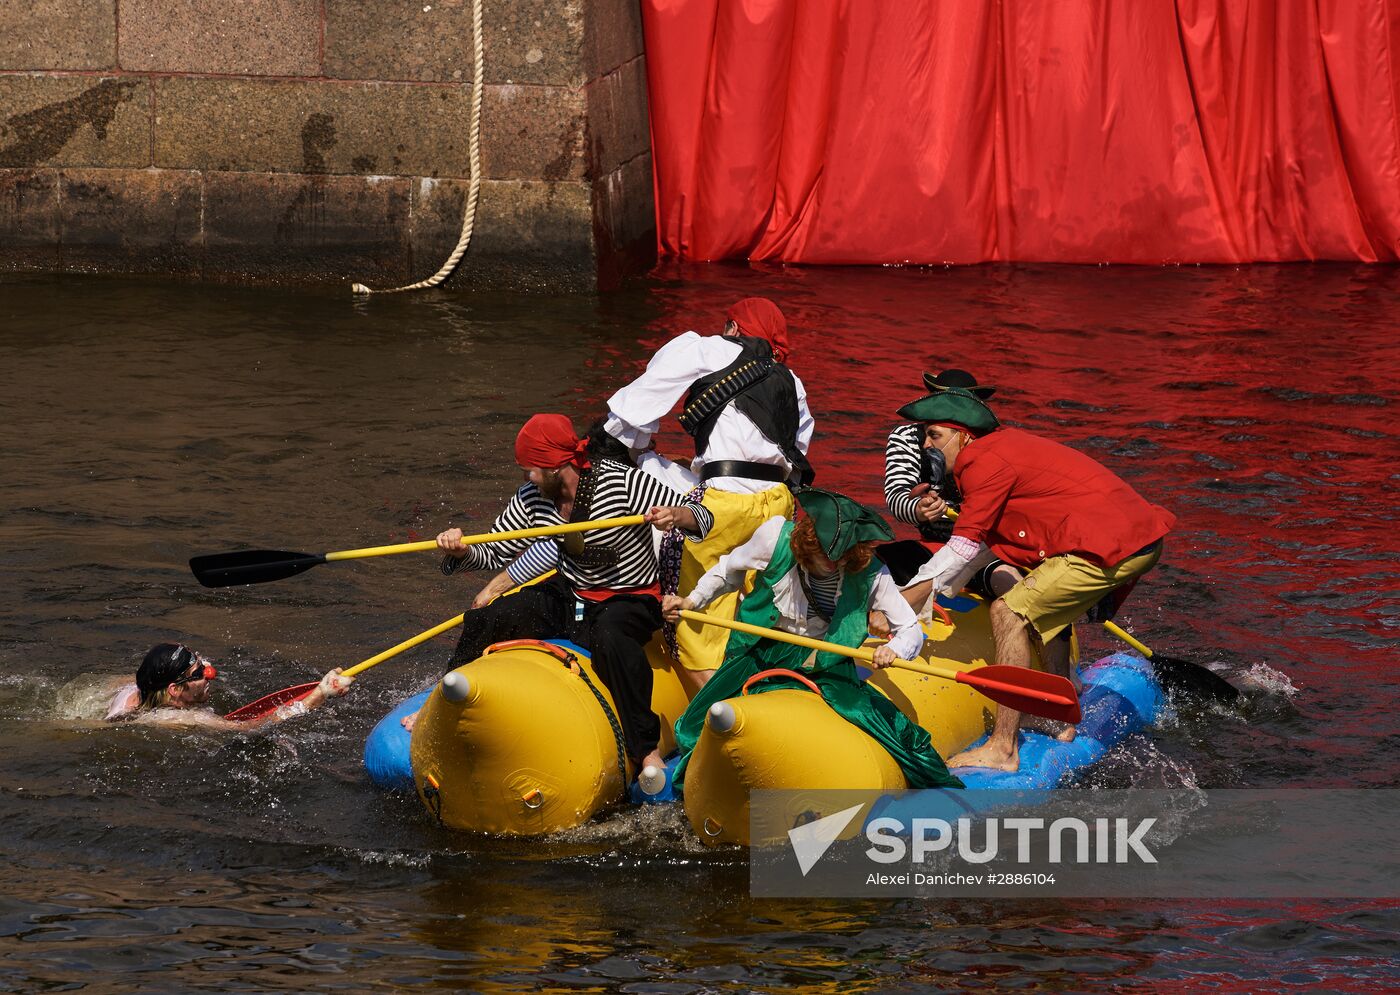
(807, 642)
(536, 533)
(407, 644)
(1128, 639)
(1110, 626)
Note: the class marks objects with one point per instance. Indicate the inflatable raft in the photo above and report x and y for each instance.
(523, 741)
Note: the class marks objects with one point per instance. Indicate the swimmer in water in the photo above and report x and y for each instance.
(172, 686)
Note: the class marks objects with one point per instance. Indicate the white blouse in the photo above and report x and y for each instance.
(635, 411)
(794, 613)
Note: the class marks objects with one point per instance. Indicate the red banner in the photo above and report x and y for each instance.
(965, 131)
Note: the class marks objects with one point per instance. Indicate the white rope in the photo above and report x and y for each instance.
(474, 154)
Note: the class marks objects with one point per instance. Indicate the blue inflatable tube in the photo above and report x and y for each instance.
(386, 747)
(1121, 696)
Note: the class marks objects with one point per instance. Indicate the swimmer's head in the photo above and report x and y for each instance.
(175, 676)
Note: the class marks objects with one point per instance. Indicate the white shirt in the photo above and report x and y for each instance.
(794, 613)
(635, 411)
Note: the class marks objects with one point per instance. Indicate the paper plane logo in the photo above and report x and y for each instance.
(811, 841)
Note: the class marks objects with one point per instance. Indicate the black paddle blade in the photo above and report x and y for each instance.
(1193, 679)
(251, 566)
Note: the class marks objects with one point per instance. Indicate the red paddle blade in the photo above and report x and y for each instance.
(1031, 691)
(257, 709)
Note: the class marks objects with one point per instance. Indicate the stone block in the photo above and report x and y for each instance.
(58, 34)
(624, 216)
(618, 129)
(524, 41)
(74, 121)
(286, 228)
(29, 219)
(131, 221)
(535, 42)
(297, 126)
(533, 133)
(527, 235)
(612, 35)
(266, 38)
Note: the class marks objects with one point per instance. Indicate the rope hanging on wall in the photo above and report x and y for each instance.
(474, 188)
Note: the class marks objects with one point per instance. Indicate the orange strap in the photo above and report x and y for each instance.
(558, 652)
(762, 674)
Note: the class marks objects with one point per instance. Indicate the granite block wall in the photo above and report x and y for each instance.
(324, 140)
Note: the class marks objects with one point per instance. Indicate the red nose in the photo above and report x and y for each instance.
(210, 673)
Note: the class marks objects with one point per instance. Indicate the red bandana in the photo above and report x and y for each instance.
(758, 316)
(955, 426)
(548, 442)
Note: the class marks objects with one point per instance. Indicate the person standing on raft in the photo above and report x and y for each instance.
(1078, 531)
(605, 596)
(748, 415)
(815, 577)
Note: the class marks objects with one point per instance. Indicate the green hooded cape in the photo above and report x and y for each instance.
(836, 675)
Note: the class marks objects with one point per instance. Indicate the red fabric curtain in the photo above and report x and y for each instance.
(964, 131)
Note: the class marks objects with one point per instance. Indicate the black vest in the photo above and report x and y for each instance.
(763, 389)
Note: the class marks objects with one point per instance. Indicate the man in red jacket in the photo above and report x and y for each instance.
(1075, 530)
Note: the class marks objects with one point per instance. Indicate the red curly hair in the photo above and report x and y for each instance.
(808, 550)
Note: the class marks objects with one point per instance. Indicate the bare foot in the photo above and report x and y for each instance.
(1061, 731)
(987, 755)
(409, 721)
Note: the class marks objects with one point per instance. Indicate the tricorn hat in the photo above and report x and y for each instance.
(956, 406)
(840, 522)
(949, 379)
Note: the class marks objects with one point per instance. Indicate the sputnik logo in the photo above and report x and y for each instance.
(811, 841)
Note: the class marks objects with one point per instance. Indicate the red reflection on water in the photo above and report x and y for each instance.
(1256, 403)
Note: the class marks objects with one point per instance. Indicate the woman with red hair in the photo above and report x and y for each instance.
(816, 577)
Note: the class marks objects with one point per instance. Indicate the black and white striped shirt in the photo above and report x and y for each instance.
(904, 468)
(618, 490)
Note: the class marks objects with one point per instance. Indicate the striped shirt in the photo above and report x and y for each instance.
(904, 469)
(822, 593)
(539, 558)
(611, 559)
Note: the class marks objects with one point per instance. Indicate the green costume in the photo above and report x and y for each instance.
(840, 524)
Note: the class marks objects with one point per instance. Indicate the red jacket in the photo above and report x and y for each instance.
(1029, 498)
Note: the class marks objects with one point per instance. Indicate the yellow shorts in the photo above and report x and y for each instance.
(1063, 588)
(737, 517)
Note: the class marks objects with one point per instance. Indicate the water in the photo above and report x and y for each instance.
(143, 423)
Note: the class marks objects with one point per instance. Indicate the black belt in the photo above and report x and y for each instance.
(743, 468)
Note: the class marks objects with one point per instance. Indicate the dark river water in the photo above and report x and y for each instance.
(143, 423)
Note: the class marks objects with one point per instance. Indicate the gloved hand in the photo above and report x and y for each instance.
(335, 684)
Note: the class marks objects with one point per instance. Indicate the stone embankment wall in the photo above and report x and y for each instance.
(323, 140)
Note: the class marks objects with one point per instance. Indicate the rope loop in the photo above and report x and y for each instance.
(474, 187)
(780, 672)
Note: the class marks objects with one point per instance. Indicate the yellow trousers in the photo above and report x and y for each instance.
(737, 517)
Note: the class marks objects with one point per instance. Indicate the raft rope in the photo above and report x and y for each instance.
(577, 668)
(474, 188)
